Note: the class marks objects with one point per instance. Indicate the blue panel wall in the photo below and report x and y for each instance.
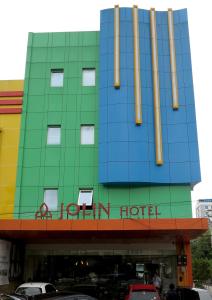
(127, 151)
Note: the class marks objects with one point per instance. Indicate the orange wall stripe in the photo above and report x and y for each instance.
(189, 278)
(12, 94)
(11, 102)
(197, 224)
(184, 273)
(10, 110)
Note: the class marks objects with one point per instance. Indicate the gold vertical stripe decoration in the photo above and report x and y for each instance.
(175, 102)
(137, 75)
(116, 47)
(156, 85)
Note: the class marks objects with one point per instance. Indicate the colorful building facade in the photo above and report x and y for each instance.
(108, 150)
(11, 92)
(147, 124)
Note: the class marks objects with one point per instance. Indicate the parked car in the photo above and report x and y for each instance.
(63, 296)
(91, 289)
(203, 294)
(74, 297)
(35, 288)
(12, 297)
(139, 291)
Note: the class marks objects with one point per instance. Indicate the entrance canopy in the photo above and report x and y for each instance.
(31, 230)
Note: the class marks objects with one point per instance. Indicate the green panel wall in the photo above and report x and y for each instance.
(71, 166)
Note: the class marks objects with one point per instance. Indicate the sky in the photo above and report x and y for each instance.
(18, 17)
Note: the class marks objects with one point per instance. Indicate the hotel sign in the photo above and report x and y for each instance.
(98, 211)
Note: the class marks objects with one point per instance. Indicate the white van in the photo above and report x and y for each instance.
(35, 288)
(203, 294)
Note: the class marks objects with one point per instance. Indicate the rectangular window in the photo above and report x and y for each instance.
(57, 76)
(51, 198)
(89, 77)
(85, 197)
(54, 135)
(87, 134)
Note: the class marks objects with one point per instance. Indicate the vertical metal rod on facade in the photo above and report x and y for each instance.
(137, 75)
(175, 101)
(116, 47)
(156, 84)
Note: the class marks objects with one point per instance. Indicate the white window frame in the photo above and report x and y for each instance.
(49, 137)
(82, 193)
(57, 82)
(51, 207)
(86, 81)
(87, 140)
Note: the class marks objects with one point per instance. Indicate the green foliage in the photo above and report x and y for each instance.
(201, 269)
(202, 258)
(201, 247)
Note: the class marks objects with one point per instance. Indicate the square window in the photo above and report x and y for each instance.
(54, 135)
(57, 76)
(85, 197)
(88, 77)
(51, 198)
(87, 134)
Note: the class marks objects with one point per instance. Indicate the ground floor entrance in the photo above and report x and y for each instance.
(100, 253)
(101, 265)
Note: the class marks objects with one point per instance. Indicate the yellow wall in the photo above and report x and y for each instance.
(9, 142)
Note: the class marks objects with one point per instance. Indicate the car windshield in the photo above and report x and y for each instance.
(143, 295)
(9, 297)
(29, 291)
(50, 288)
